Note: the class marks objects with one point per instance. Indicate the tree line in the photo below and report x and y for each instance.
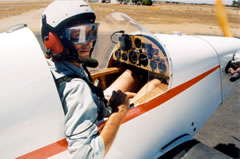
(236, 4)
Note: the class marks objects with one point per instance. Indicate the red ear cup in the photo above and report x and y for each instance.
(53, 43)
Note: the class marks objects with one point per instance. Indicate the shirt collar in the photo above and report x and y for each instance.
(64, 68)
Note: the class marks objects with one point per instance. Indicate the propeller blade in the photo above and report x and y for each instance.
(222, 18)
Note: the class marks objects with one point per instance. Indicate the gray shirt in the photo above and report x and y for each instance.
(80, 110)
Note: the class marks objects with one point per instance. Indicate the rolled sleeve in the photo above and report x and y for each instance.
(81, 128)
(91, 148)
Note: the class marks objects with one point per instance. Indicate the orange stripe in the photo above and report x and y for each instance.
(136, 111)
(61, 145)
(47, 151)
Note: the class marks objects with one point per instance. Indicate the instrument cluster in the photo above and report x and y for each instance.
(142, 52)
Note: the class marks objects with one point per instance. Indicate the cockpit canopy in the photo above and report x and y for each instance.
(122, 39)
(123, 43)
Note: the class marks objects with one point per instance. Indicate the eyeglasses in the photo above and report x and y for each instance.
(82, 34)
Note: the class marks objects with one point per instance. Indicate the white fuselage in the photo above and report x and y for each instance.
(32, 117)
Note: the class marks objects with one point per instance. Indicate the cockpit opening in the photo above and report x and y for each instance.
(130, 56)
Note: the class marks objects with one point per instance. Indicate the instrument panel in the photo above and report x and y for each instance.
(143, 52)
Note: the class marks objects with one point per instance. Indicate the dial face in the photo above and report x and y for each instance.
(153, 65)
(124, 56)
(155, 52)
(162, 67)
(149, 50)
(143, 60)
(137, 42)
(118, 54)
(158, 59)
(133, 57)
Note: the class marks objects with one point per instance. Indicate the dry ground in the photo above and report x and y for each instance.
(164, 18)
(169, 13)
(11, 8)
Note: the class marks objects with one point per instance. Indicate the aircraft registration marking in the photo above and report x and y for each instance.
(61, 145)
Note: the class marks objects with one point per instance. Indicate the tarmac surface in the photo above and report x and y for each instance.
(222, 130)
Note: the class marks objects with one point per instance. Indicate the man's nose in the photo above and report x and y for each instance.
(90, 42)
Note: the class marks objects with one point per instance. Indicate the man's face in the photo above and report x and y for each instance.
(82, 36)
(83, 50)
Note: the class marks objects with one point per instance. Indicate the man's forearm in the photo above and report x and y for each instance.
(111, 127)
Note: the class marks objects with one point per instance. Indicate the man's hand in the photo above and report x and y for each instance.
(119, 101)
(120, 104)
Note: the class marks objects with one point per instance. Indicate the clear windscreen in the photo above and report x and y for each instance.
(109, 32)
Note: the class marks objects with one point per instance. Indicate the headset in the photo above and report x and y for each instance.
(52, 43)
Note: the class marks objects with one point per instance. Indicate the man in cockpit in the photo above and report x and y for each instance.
(235, 73)
(233, 67)
(69, 33)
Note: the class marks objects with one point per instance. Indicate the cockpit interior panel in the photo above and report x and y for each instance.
(142, 52)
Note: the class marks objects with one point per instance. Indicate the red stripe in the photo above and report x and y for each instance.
(61, 145)
(47, 151)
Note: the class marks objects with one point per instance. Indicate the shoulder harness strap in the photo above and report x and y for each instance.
(104, 109)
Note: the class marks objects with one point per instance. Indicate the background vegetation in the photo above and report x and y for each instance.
(236, 4)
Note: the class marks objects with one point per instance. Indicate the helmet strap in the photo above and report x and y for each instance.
(72, 52)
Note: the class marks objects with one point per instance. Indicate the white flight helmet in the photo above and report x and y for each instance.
(58, 16)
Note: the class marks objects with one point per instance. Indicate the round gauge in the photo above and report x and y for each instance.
(158, 59)
(150, 55)
(118, 54)
(162, 67)
(133, 57)
(137, 42)
(153, 65)
(124, 56)
(155, 52)
(143, 60)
